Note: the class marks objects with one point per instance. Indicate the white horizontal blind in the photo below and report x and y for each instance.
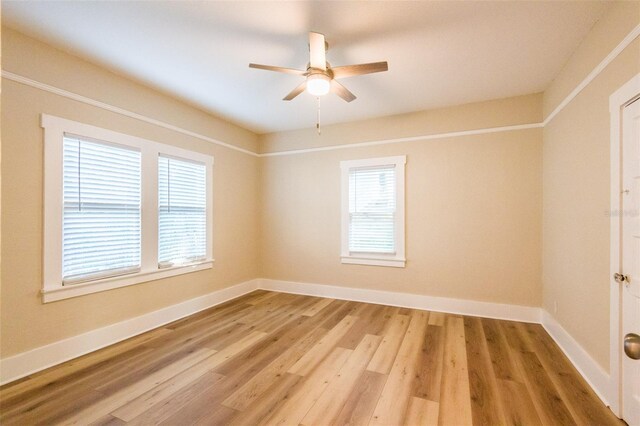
(101, 217)
(372, 209)
(182, 221)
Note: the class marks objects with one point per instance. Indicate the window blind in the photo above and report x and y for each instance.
(101, 217)
(372, 208)
(182, 221)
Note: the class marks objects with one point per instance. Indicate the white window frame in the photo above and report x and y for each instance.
(55, 129)
(398, 258)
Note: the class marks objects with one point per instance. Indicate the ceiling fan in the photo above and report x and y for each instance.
(320, 77)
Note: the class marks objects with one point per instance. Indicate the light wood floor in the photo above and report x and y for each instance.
(272, 358)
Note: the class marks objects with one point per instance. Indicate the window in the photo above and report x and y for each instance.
(101, 216)
(121, 210)
(373, 211)
(182, 230)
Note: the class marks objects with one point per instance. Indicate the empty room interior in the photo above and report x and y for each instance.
(320, 213)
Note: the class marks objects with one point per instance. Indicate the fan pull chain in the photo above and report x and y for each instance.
(318, 117)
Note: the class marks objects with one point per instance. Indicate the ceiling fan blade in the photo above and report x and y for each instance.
(351, 70)
(317, 51)
(278, 69)
(342, 91)
(295, 92)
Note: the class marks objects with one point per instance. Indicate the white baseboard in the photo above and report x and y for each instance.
(25, 363)
(591, 371)
(408, 300)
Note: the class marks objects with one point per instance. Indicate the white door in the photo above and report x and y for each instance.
(631, 260)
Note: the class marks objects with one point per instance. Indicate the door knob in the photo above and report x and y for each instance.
(620, 278)
(632, 345)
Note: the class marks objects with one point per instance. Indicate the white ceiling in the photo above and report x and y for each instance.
(440, 53)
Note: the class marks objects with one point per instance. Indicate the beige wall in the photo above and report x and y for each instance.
(576, 184)
(26, 322)
(464, 238)
(478, 207)
(473, 221)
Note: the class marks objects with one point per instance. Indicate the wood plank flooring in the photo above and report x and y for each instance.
(274, 358)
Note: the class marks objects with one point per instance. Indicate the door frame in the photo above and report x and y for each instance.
(617, 101)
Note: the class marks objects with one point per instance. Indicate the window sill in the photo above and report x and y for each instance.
(392, 262)
(56, 293)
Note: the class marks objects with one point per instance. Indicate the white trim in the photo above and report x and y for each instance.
(73, 96)
(392, 262)
(101, 134)
(595, 72)
(25, 363)
(396, 259)
(408, 300)
(407, 139)
(623, 95)
(55, 129)
(64, 93)
(590, 370)
(73, 290)
(590, 77)
(616, 102)
(397, 160)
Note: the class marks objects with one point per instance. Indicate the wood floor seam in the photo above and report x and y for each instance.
(269, 358)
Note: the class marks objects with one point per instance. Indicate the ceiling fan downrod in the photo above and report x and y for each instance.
(318, 118)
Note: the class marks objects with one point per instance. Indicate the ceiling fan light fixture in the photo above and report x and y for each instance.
(318, 84)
